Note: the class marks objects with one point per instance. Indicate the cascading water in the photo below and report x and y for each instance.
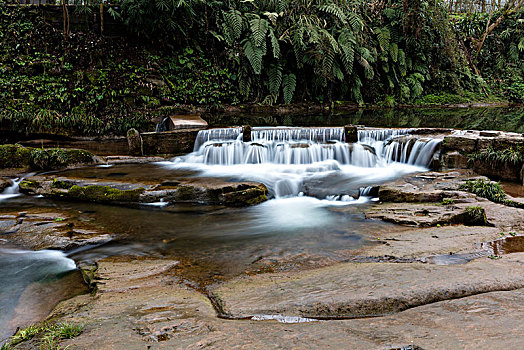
(11, 191)
(314, 161)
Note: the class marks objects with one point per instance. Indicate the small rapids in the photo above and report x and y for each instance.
(11, 191)
(21, 269)
(315, 162)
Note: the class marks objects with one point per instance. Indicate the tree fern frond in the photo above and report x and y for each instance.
(334, 10)
(275, 78)
(393, 51)
(521, 44)
(289, 82)
(274, 43)
(259, 28)
(254, 55)
(383, 37)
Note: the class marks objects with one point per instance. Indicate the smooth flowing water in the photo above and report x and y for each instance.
(318, 185)
(31, 282)
(311, 161)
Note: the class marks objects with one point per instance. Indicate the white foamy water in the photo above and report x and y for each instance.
(314, 161)
(283, 319)
(20, 269)
(11, 191)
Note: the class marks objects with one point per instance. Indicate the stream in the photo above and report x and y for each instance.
(318, 186)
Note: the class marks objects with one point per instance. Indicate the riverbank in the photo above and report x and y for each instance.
(443, 248)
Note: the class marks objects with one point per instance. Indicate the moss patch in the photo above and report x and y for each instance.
(97, 193)
(185, 193)
(14, 156)
(55, 158)
(475, 216)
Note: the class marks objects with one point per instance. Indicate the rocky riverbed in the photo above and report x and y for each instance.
(438, 267)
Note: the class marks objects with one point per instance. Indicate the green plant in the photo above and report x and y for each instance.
(511, 155)
(51, 334)
(23, 335)
(476, 216)
(486, 189)
(494, 257)
(448, 201)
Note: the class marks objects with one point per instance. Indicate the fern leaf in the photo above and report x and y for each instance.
(289, 82)
(521, 44)
(334, 10)
(275, 78)
(259, 28)
(274, 43)
(232, 25)
(393, 51)
(254, 55)
(383, 37)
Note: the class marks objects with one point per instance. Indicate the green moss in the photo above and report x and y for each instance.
(475, 216)
(185, 193)
(28, 186)
(56, 158)
(97, 193)
(257, 200)
(14, 156)
(61, 184)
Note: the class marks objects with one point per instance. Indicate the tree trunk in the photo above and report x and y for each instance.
(510, 8)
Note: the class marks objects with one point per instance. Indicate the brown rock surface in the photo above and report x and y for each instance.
(141, 305)
(365, 289)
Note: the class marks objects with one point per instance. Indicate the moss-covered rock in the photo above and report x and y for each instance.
(14, 156)
(29, 186)
(475, 216)
(243, 195)
(62, 184)
(98, 193)
(55, 158)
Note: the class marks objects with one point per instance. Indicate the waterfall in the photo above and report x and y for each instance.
(313, 161)
(412, 151)
(311, 145)
(11, 191)
(218, 135)
(297, 134)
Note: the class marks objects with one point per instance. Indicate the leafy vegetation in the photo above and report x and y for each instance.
(511, 155)
(489, 190)
(49, 335)
(476, 216)
(211, 53)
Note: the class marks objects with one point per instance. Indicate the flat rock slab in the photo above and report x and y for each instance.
(422, 215)
(44, 228)
(104, 191)
(182, 121)
(141, 305)
(365, 289)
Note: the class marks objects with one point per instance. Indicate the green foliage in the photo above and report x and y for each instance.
(502, 55)
(489, 190)
(510, 155)
(53, 334)
(448, 201)
(476, 216)
(50, 335)
(24, 335)
(264, 51)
